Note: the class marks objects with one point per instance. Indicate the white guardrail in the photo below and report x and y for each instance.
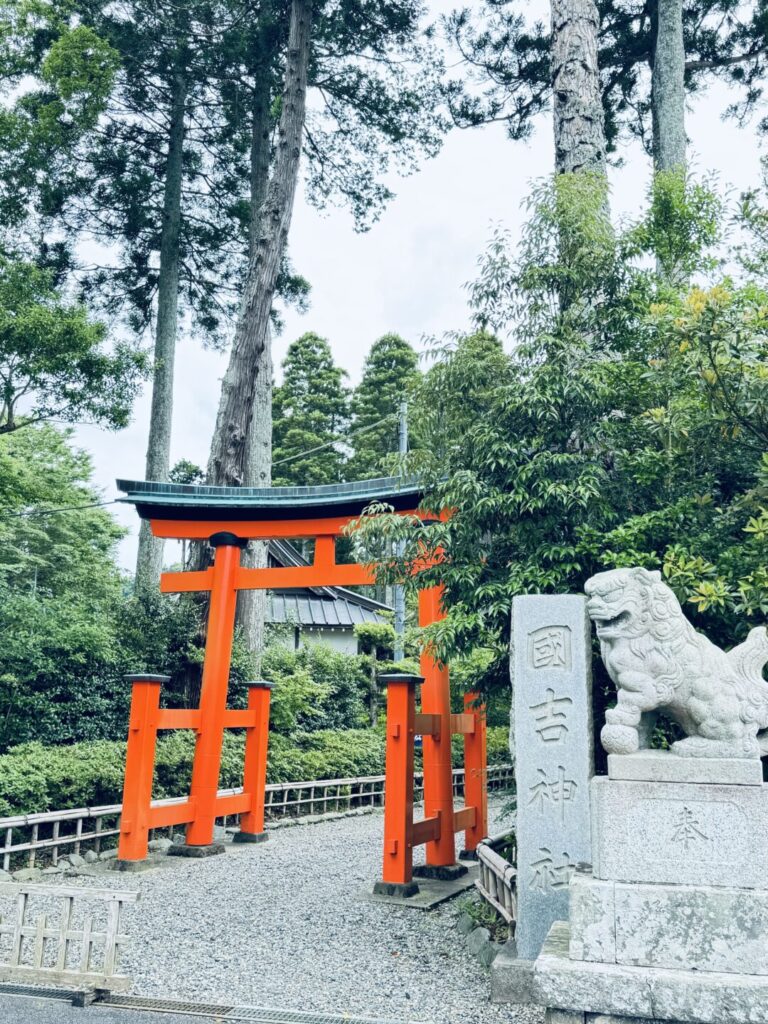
(52, 834)
(497, 883)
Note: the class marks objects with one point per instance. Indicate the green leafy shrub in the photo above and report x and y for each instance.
(316, 688)
(498, 744)
(38, 778)
(625, 422)
(497, 741)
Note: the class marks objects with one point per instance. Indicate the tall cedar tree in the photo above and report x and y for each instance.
(155, 195)
(668, 88)
(390, 371)
(578, 114)
(579, 131)
(138, 178)
(247, 362)
(376, 85)
(311, 411)
(508, 57)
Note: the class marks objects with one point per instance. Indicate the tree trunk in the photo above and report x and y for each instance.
(373, 688)
(229, 449)
(668, 88)
(252, 606)
(150, 554)
(261, 130)
(578, 109)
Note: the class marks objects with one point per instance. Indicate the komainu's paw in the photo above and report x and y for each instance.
(619, 739)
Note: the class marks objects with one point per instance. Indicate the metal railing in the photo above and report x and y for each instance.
(497, 883)
(49, 835)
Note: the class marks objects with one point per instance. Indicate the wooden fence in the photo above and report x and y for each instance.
(497, 883)
(27, 838)
(68, 951)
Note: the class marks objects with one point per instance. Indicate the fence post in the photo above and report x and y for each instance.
(255, 768)
(438, 770)
(397, 873)
(475, 774)
(139, 767)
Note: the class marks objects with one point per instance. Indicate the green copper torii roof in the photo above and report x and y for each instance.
(191, 501)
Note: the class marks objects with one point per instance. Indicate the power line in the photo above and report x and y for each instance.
(55, 511)
(335, 440)
(289, 458)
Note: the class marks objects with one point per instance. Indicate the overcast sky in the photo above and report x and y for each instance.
(407, 273)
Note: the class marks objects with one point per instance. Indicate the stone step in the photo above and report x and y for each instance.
(701, 928)
(650, 993)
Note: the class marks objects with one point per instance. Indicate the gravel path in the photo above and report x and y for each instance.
(284, 924)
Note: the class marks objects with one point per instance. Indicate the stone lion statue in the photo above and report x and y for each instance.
(659, 662)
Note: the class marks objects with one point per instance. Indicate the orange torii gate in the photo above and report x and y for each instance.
(228, 518)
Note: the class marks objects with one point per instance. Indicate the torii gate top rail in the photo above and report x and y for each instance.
(331, 502)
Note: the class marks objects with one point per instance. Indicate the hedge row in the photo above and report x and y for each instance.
(38, 778)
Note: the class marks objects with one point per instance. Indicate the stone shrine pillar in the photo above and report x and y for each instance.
(550, 668)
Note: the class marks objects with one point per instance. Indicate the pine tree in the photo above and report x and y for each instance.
(390, 370)
(310, 410)
(507, 57)
(132, 161)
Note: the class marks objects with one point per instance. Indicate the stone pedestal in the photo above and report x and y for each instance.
(650, 994)
(249, 837)
(671, 924)
(196, 852)
(680, 834)
(687, 927)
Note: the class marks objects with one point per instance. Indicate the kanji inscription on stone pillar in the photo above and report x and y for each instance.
(550, 669)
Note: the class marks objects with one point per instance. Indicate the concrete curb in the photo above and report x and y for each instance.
(316, 819)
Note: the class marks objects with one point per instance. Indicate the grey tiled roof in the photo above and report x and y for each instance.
(329, 607)
(331, 613)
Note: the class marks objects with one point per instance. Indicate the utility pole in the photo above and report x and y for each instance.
(399, 591)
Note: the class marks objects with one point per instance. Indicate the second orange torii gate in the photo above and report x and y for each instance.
(228, 518)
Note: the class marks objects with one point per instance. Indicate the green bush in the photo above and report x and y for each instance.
(38, 778)
(498, 744)
(316, 688)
